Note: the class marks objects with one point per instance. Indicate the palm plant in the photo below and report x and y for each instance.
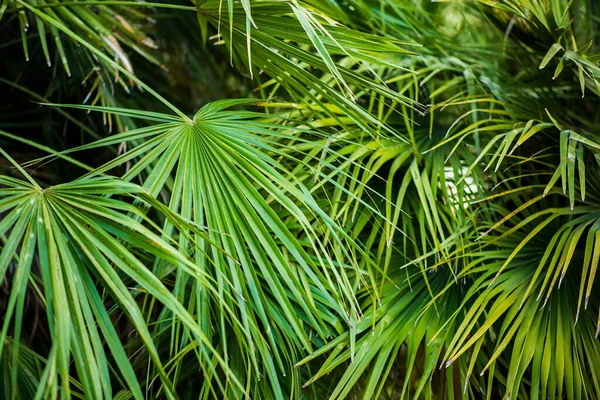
(299, 199)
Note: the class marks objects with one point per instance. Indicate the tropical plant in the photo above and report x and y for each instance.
(299, 199)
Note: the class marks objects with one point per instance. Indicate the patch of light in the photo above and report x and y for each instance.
(468, 185)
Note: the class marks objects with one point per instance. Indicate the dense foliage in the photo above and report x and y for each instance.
(299, 199)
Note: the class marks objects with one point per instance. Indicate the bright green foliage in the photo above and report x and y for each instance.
(299, 199)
